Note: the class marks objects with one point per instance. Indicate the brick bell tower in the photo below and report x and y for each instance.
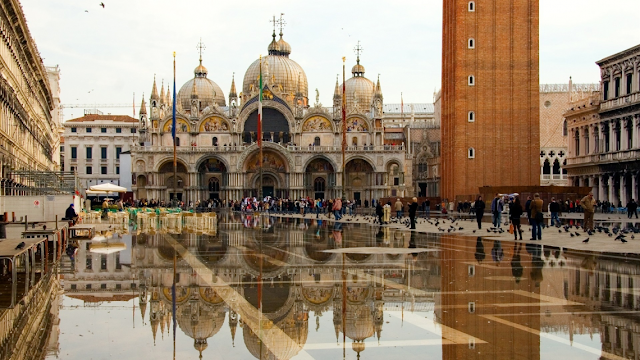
(490, 95)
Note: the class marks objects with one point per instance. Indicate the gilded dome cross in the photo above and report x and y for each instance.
(201, 47)
(358, 50)
(281, 23)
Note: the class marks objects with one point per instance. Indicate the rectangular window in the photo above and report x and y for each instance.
(117, 170)
(89, 263)
(605, 92)
(118, 265)
(103, 130)
(74, 152)
(103, 152)
(118, 130)
(133, 130)
(88, 286)
(61, 148)
(88, 130)
(89, 170)
(74, 130)
(103, 262)
(103, 170)
(73, 168)
(118, 151)
(629, 83)
(616, 87)
(74, 286)
(89, 151)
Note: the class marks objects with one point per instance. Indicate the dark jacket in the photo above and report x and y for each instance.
(379, 210)
(412, 209)
(527, 208)
(516, 211)
(70, 213)
(554, 207)
(480, 205)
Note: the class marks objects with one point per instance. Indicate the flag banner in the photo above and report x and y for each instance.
(173, 119)
(260, 107)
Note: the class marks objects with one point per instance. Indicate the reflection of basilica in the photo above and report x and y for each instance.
(297, 278)
(216, 141)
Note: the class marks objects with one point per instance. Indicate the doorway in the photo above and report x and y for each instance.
(267, 191)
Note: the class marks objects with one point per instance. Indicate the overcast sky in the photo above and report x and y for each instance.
(106, 55)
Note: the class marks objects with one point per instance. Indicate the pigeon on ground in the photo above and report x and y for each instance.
(623, 240)
(586, 240)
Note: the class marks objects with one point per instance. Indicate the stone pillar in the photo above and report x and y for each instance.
(601, 190)
(610, 189)
(623, 135)
(634, 187)
(634, 127)
(623, 189)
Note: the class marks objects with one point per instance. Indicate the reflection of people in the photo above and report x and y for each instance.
(516, 266)
(70, 214)
(379, 212)
(480, 255)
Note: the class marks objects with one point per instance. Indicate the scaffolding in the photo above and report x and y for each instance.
(29, 183)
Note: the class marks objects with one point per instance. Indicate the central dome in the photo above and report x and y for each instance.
(208, 91)
(283, 75)
(359, 89)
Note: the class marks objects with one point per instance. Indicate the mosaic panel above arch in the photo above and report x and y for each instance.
(181, 126)
(358, 165)
(319, 165)
(317, 124)
(357, 124)
(212, 165)
(214, 124)
(270, 160)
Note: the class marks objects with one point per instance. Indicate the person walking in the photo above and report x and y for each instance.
(480, 205)
(515, 215)
(496, 210)
(379, 212)
(337, 208)
(412, 212)
(554, 209)
(632, 208)
(588, 205)
(527, 208)
(537, 217)
(398, 206)
(427, 207)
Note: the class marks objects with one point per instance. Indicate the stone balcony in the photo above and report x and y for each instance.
(605, 158)
(621, 101)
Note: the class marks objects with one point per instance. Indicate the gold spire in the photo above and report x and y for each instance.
(194, 90)
(162, 93)
(232, 92)
(154, 90)
(143, 111)
(337, 92)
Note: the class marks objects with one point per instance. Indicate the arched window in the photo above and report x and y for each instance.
(556, 167)
(471, 153)
(564, 128)
(319, 184)
(394, 173)
(472, 43)
(472, 80)
(472, 6)
(214, 184)
(546, 167)
(316, 141)
(472, 116)
(214, 141)
(177, 141)
(354, 141)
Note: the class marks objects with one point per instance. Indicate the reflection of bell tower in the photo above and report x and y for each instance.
(233, 324)
(155, 313)
(337, 313)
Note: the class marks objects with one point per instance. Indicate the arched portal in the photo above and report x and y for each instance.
(273, 169)
(275, 127)
(320, 176)
(174, 187)
(358, 178)
(212, 175)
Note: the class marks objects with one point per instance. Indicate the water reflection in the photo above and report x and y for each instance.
(467, 297)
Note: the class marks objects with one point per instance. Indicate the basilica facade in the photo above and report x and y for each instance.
(216, 140)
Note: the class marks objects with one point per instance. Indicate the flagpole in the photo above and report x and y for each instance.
(260, 190)
(344, 129)
(173, 132)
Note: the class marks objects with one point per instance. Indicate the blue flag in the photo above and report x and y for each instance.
(173, 121)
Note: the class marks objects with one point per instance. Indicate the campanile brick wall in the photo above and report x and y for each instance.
(505, 96)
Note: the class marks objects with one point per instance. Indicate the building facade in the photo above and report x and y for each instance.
(490, 95)
(604, 147)
(216, 142)
(28, 128)
(93, 144)
(555, 100)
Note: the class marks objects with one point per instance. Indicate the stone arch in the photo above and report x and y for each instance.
(323, 157)
(204, 158)
(270, 104)
(392, 161)
(250, 150)
(254, 180)
(360, 157)
(160, 163)
(359, 118)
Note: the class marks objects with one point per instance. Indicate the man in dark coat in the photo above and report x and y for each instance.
(70, 214)
(412, 212)
(379, 211)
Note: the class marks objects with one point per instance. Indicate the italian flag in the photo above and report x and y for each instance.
(260, 107)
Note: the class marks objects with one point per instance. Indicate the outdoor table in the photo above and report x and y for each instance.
(9, 252)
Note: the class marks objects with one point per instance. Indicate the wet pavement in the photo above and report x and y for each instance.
(284, 288)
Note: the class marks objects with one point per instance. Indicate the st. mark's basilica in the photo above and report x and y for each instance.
(216, 141)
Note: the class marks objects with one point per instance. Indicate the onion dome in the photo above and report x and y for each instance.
(283, 75)
(209, 93)
(359, 89)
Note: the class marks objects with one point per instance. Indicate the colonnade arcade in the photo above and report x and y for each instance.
(611, 135)
(617, 187)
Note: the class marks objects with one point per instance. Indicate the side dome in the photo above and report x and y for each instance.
(360, 91)
(208, 91)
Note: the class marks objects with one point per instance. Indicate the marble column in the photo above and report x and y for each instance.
(610, 183)
(623, 189)
(634, 187)
(601, 190)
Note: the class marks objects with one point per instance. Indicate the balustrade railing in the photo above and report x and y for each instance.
(307, 148)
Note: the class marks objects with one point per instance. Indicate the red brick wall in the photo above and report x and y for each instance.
(505, 98)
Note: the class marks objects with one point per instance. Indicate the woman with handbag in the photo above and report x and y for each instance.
(515, 215)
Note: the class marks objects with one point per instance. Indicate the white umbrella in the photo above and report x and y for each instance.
(107, 248)
(109, 187)
(97, 192)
